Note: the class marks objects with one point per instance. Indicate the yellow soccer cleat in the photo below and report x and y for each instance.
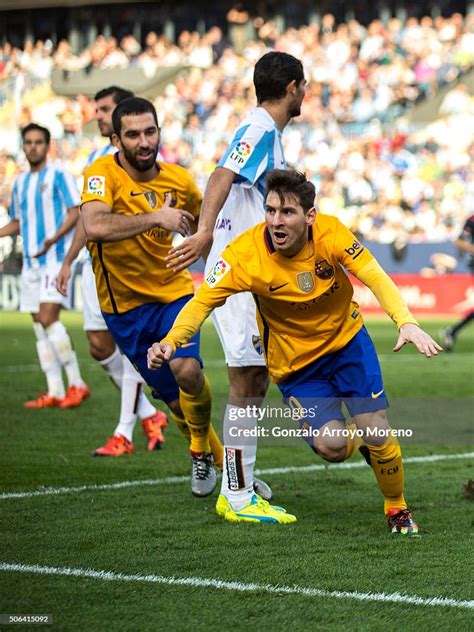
(257, 510)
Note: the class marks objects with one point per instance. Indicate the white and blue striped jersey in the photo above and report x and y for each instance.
(255, 149)
(101, 151)
(40, 201)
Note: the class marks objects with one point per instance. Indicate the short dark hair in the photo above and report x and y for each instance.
(272, 74)
(289, 182)
(34, 127)
(132, 106)
(117, 94)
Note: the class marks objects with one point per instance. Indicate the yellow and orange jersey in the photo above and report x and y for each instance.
(133, 271)
(305, 306)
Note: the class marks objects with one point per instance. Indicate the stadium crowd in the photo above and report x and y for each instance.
(384, 180)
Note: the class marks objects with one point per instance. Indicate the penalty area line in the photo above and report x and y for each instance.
(234, 586)
(173, 480)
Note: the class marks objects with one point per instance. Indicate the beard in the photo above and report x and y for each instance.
(34, 162)
(137, 163)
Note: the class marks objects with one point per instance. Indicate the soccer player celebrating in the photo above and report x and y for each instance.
(131, 204)
(315, 342)
(233, 202)
(101, 344)
(44, 207)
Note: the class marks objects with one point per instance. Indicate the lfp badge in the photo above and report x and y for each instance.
(96, 184)
(243, 149)
(241, 153)
(218, 272)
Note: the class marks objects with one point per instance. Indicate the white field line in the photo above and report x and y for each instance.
(202, 582)
(172, 480)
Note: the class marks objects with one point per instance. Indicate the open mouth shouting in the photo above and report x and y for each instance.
(279, 237)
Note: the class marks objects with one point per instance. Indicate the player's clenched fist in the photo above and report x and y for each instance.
(158, 354)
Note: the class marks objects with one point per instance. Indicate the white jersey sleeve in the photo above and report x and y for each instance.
(250, 154)
(67, 189)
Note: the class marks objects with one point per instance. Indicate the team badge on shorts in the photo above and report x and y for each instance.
(151, 198)
(257, 344)
(218, 272)
(323, 269)
(96, 184)
(305, 281)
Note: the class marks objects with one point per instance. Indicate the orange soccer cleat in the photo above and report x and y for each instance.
(153, 429)
(118, 445)
(75, 396)
(44, 401)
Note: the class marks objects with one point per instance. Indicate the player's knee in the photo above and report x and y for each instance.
(375, 426)
(332, 454)
(330, 450)
(248, 382)
(100, 347)
(188, 374)
(45, 319)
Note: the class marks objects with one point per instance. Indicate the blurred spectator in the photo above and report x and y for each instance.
(385, 183)
(457, 101)
(238, 19)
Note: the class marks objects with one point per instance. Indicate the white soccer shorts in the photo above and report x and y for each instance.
(236, 325)
(93, 319)
(38, 285)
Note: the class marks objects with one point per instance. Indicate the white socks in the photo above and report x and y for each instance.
(134, 402)
(61, 342)
(113, 366)
(240, 454)
(49, 362)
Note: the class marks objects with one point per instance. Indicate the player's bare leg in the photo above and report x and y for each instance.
(247, 382)
(101, 345)
(384, 457)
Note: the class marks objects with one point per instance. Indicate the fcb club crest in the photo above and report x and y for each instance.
(305, 281)
(151, 198)
(323, 269)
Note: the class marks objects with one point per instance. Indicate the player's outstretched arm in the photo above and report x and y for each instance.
(411, 333)
(199, 244)
(159, 353)
(102, 225)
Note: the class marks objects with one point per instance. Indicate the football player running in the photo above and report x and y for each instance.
(316, 346)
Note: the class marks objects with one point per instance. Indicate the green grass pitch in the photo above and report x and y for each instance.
(339, 543)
